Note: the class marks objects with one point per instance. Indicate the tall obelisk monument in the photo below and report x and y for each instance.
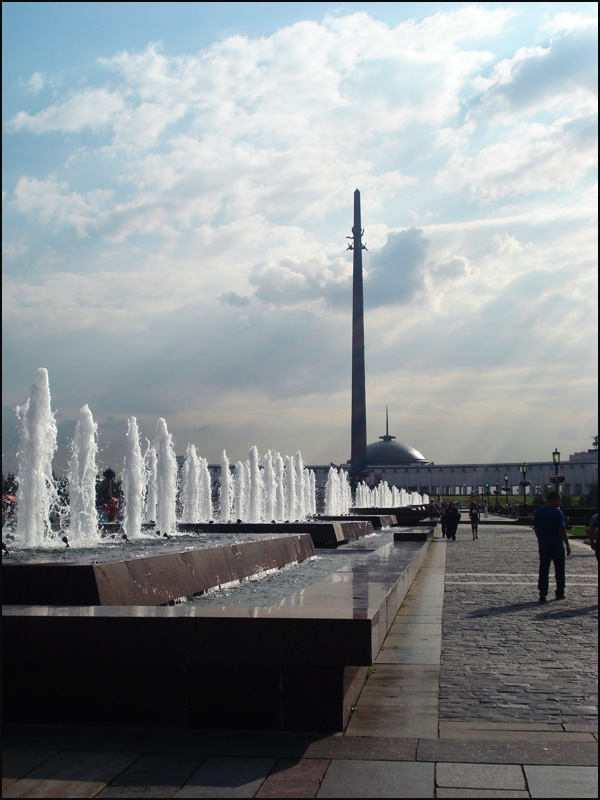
(359, 404)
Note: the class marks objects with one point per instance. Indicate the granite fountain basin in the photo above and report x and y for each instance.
(297, 664)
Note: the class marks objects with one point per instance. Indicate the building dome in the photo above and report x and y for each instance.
(390, 453)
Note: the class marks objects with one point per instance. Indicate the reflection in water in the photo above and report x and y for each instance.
(289, 586)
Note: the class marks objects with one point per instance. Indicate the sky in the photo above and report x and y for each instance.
(177, 193)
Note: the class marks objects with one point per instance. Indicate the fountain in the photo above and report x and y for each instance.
(152, 488)
(112, 609)
(134, 482)
(36, 494)
(166, 479)
(259, 492)
(83, 522)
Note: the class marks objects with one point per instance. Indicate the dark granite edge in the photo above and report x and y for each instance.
(487, 751)
(296, 744)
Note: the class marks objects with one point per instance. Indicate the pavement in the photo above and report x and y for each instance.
(478, 691)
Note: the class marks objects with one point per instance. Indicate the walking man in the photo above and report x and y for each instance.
(549, 527)
(452, 520)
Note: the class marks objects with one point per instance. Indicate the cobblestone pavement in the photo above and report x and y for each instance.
(504, 656)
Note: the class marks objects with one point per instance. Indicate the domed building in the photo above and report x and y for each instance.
(388, 453)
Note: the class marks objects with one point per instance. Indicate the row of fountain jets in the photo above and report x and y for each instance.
(274, 488)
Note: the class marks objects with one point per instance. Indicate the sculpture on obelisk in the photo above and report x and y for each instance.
(358, 459)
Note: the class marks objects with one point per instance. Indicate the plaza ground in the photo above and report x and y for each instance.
(478, 691)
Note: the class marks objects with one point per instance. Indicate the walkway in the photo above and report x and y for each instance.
(479, 691)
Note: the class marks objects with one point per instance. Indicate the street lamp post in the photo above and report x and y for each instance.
(556, 479)
(497, 493)
(506, 485)
(524, 483)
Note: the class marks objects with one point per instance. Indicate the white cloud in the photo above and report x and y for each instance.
(92, 108)
(52, 202)
(35, 83)
(212, 194)
(569, 21)
(532, 158)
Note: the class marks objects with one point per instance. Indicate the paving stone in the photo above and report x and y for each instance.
(484, 751)
(389, 700)
(480, 793)
(222, 776)
(51, 788)
(366, 748)
(71, 774)
(17, 762)
(521, 736)
(159, 770)
(377, 779)
(477, 727)
(404, 721)
(408, 655)
(406, 677)
(294, 778)
(504, 657)
(480, 776)
(555, 781)
(138, 791)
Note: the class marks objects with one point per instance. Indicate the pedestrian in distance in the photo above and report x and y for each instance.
(443, 513)
(474, 517)
(549, 527)
(593, 534)
(452, 520)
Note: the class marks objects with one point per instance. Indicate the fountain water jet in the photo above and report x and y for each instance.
(255, 488)
(134, 482)
(36, 493)
(270, 486)
(190, 486)
(83, 523)
(290, 488)
(226, 489)
(166, 479)
(152, 488)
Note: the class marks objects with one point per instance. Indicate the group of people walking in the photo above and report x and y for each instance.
(449, 514)
(550, 530)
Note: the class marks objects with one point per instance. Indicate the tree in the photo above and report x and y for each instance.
(9, 483)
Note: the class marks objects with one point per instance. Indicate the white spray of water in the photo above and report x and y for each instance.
(255, 488)
(166, 479)
(279, 474)
(270, 487)
(226, 489)
(152, 489)
(134, 482)
(290, 488)
(338, 495)
(382, 496)
(239, 491)
(83, 523)
(300, 487)
(36, 493)
(190, 486)
(205, 487)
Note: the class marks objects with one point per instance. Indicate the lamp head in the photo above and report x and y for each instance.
(556, 456)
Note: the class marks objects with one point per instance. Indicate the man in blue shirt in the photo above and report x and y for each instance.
(549, 527)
